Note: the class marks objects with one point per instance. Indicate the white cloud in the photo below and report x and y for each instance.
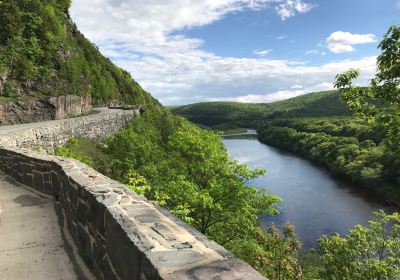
(262, 53)
(290, 7)
(205, 78)
(143, 37)
(278, 95)
(296, 87)
(315, 52)
(281, 37)
(342, 42)
(262, 98)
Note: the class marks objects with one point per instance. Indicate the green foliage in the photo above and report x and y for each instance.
(8, 90)
(273, 253)
(371, 252)
(136, 182)
(71, 152)
(43, 53)
(383, 91)
(311, 264)
(228, 115)
(348, 147)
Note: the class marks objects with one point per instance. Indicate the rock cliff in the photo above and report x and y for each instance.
(47, 108)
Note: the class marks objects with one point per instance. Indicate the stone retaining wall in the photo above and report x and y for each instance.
(49, 134)
(119, 234)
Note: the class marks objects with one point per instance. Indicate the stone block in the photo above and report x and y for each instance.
(124, 255)
(109, 271)
(81, 213)
(228, 269)
(38, 180)
(164, 260)
(55, 183)
(27, 179)
(84, 245)
(95, 212)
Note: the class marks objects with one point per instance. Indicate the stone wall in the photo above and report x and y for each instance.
(52, 133)
(42, 109)
(119, 234)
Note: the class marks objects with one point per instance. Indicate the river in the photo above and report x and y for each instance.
(314, 201)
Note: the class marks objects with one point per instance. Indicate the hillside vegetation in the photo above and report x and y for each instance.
(345, 145)
(43, 53)
(230, 114)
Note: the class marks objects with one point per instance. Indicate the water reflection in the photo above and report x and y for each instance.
(313, 200)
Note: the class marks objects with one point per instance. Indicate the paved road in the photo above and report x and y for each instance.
(32, 244)
(4, 129)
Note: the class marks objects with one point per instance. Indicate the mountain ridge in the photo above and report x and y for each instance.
(215, 114)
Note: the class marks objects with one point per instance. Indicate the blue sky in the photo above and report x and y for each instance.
(186, 51)
(240, 34)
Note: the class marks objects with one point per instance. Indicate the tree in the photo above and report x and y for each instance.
(212, 188)
(273, 253)
(381, 100)
(371, 252)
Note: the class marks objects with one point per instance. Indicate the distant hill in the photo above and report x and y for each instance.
(231, 114)
(43, 53)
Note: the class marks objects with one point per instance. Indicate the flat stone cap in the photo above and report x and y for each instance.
(228, 269)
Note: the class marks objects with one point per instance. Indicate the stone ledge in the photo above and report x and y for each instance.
(121, 235)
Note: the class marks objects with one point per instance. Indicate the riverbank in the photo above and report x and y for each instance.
(239, 132)
(388, 192)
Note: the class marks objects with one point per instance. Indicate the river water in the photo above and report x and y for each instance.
(313, 200)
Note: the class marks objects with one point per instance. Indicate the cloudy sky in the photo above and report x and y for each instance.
(186, 51)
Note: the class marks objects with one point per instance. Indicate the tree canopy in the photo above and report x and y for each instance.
(381, 100)
(371, 252)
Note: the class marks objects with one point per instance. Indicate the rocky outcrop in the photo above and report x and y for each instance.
(14, 112)
(42, 109)
(71, 106)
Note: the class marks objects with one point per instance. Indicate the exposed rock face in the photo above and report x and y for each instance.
(13, 112)
(60, 107)
(71, 106)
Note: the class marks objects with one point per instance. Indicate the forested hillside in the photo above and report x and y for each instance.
(347, 146)
(43, 53)
(230, 114)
